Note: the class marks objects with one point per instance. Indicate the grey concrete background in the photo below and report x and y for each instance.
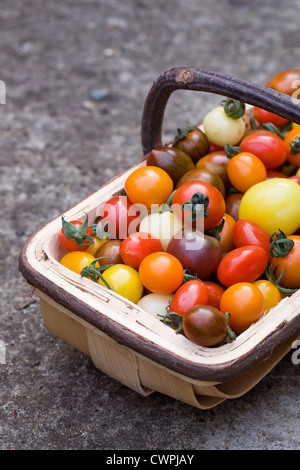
(57, 146)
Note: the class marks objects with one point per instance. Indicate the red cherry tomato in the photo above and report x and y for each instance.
(215, 292)
(286, 82)
(138, 245)
(264, 117)
(188, 295)
(121, 216)
(75, 240)
(267, 146)
(246, 233)
(295, 178)
(243, 264)
(215, 207)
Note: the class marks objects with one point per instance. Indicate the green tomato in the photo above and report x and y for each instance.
(221, 129)
(273, 204)
(124, 280)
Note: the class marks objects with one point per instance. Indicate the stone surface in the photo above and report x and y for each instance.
(58, 146)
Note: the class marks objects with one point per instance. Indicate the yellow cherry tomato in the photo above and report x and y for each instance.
(77, 260)
(272, 204)
(124, 280)
(270, 292)
(222, 129)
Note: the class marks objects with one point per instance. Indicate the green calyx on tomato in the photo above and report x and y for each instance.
(279, 248)
(181, 134)
(233, 108)
(197, 205)
(231, 150)
(77, 233)
(295, 146)
(99, 230)
(94, 273)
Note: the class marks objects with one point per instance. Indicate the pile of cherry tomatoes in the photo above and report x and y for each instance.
(206, 235)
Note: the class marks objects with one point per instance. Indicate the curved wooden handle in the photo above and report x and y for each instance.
(213, 82)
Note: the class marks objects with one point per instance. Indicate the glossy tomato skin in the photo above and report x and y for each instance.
(173, 160)
(246, 233)
(121, 215)
(267, 146)
(203, 175)
(216, 162)
(244, 170)
(205, 325)
(148, 186)
(161, 273)
(77, 260)
(272, 295)
(285, 81)
(109, 253)
(232, 203)
(138, 245)
(246, 263)
(200, 254)
(226, 240)
(293, 134)
(215, 292)
(245, 304)
(290, 264)
(273, 204)
(124, 280)
(264, 117)
(194, 143)
(71, 245)
(188, 295)
(295, 178)
(215, 208)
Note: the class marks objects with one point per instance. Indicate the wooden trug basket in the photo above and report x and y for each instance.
(124, 341)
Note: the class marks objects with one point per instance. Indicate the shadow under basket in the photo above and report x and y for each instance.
(123, 340)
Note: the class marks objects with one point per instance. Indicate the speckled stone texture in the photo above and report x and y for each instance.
(61, 139)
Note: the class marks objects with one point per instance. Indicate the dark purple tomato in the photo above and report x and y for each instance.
(192, 141)
(110, 251)
(175, 162)
(200, 174)
(198, 253)
(205, 325)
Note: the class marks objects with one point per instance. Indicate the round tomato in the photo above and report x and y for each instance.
(290, 264)
(200, 174)
(198, 253)
(76, 261)
(155, 304)
(138, 245)
(109, 253)
(205, 325)
(94, 247)
(120, 216)
(124, 280)
(244, 170)
(222, 129)
(267, 146)
(172, 160)
(246, 263)
(75, 235)
(149, 186)
(286, 81)
(273, 205)
(162, 225)
(245, 233)
(216, 162)
(192, 141)
(199, 204)
(264, 117)
(272, 295)
(161, 273)
(295, 178)
(245, 304)
(188, 295)
(292, 140)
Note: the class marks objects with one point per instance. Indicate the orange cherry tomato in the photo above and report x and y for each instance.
(77, 260)
(270, 292)
(290, 264)
(292, 137)
(245, 304)
(244, 170)
(226, 240)
(161, 273)
(285, 81)
(149, 185)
